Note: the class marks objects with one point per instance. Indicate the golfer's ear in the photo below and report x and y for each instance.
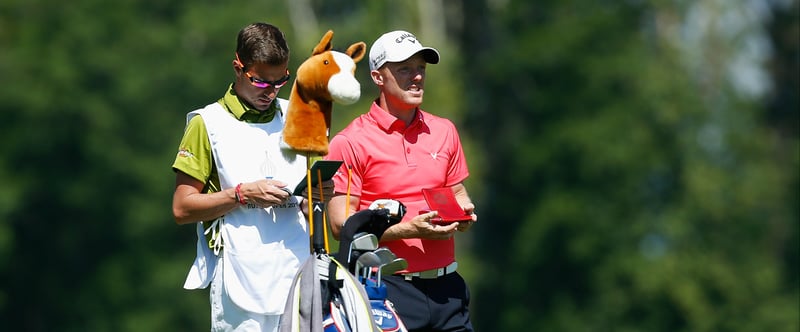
(377, 77)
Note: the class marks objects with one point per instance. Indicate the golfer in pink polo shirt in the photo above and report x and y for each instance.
(393, 152)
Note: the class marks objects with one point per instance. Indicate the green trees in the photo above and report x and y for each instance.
(628, 192)
(624, 182)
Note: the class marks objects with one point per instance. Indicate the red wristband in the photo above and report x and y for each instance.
(238, 193)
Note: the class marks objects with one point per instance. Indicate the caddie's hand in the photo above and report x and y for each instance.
(324, 196)
(426, 229)
(264, 193)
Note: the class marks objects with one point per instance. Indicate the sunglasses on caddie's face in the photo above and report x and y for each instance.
(263, 84)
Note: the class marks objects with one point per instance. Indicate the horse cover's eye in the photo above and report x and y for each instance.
(326, 62)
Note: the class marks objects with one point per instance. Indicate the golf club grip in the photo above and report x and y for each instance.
(318, 238)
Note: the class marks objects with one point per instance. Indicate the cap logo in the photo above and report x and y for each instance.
(379, 58)
(404, 36)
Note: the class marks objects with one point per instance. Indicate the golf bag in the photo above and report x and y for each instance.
(324, 296)
(374, 221)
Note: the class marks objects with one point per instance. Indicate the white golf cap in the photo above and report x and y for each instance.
(397, 46)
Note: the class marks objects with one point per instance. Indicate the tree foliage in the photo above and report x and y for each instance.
(631, 193)
(619, 187)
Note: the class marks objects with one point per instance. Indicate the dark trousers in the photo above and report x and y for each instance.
(440, 304)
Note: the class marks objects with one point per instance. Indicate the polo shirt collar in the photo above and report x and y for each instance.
(389, 122)
(242, 111)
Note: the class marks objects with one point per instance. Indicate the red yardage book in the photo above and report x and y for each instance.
(444, 201)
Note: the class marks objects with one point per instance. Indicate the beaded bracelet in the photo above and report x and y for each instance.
(238, 193)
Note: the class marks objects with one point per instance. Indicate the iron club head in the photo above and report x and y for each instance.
(395, 265)
(362, 241)
(367, 260)
(385, 255)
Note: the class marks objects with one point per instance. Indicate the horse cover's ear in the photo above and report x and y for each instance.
(324, 43)
(357, 51)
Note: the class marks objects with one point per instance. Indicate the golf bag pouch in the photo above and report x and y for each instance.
(375, 293)
(335, 319)
(386, 317)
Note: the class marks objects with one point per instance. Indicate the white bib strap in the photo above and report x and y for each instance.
(215, 243)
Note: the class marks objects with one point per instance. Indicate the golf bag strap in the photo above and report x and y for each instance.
(333, 283)
(331, 289)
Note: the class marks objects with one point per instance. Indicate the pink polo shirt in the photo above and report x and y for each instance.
(390, 160)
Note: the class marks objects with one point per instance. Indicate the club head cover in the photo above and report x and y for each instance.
(371, 221)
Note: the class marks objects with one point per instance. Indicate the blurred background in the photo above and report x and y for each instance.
(634, 163)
